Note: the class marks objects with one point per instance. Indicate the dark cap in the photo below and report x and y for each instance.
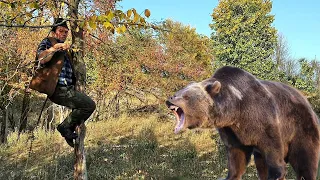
(59, 22)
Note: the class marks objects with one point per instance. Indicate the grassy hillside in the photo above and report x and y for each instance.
(141, 147)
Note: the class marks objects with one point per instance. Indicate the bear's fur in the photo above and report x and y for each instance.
(269, 119)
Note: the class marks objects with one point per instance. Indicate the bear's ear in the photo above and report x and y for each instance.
(213, 88)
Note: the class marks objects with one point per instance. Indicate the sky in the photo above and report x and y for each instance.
(298, 21)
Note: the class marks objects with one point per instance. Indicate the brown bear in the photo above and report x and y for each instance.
(270, 120)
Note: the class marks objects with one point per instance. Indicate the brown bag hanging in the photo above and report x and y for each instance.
(45, 78)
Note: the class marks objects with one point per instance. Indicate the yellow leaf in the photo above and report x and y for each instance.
(110, 15)
(62, 4)
(28, 14)
(142, 20)
(147, 12)
(118, 30)
(129, 13)
(134, 11)
(100, 18)
(121, 29)
(136, 17)
(107, 24)
(93, 24)
(75, 49)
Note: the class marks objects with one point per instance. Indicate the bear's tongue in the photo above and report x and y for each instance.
(180, 122)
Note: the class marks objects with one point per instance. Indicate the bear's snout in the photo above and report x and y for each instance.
(168, 103)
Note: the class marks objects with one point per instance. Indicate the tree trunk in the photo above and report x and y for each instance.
(11, 121)
(80, 169)
(25, 109)
(4, 127)
(95, 115)
(47, 122)
(62, 115)
(78, 46)
(104, 106)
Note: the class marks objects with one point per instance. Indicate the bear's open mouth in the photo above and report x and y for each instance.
(178, 112)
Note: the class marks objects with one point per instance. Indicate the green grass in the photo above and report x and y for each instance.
(141, 147)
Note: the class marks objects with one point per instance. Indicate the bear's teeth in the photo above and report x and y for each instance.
(174, 108)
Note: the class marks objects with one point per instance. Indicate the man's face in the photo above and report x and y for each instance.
(61, 33)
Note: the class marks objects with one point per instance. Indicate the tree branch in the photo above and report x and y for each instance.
(35, 26)
(6, 2)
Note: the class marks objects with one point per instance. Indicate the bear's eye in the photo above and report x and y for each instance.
(186, 97)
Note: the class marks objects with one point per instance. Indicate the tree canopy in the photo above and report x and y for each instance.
(243, 35)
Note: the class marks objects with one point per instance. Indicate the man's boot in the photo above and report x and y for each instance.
(67, 132)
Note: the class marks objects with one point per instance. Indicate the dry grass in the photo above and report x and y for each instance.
(140, 147)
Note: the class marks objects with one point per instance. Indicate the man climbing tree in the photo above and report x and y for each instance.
(57, 79)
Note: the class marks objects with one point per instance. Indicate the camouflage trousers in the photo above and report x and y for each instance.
(82, 105)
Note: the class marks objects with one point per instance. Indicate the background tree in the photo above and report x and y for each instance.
(281, 53)
(189, 56)
(142, 67)
(306, 79)
(243, 35)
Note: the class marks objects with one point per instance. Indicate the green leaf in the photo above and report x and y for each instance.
(34, 5)
(122, 16)
(81, 24)
(244, 36)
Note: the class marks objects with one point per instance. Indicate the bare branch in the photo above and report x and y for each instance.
(24, 66)
(36, 26)
(6, 2)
